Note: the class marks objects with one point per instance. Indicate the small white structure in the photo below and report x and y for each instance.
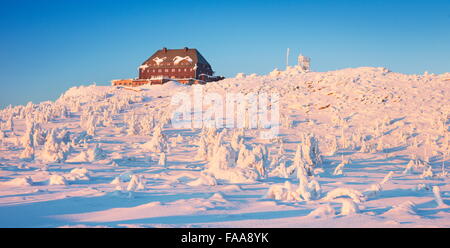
(304, 63)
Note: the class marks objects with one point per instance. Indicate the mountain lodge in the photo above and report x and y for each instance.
(185, 65)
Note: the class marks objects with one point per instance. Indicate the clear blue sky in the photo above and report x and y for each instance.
(47, 46)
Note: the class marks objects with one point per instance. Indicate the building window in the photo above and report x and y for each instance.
(173, 70)
(159, 70)
(166, 70)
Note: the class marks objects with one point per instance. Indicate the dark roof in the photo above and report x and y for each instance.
(170, 54)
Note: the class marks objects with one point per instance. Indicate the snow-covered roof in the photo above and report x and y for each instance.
(174, 57)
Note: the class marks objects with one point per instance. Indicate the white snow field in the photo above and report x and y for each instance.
(358, 147)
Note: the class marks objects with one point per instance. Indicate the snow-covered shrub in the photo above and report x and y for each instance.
(408, 208)
(20, 181)
(179, 139)
(137, 182)
(246, 167)
(92, 154)
(81, 138)
(2, 134)
(57, 180)
(286, 122)
(116, 181)
(415, 164)
(366, 147)
(64, 136)
(427, 173)
(240, 75)
(357, 196)
(305, 191)
(77, 174)
(380, 145)
(374, 189)
(437, 197)
(275, 73)
(387, 178)
(349, 207)
(27, 154)
(204, 179)
(283, 192)
(409, 168)
(202, 151)
(323, 211)
(279, 171)
(339, 170)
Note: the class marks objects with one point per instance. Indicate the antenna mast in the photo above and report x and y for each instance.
(287, 58)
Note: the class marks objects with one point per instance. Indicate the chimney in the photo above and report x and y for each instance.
(164, 49)
(186, 49)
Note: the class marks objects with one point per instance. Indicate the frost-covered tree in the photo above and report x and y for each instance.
(158, 142)
(380, 145)
(310, 150)
(437, 197)
(253, 157)
(133, 125)
(365, 146)
(39, 136)
(10, 123)
(91, 125)
(339, 170)
(28, 153)
(179, 139)
(334, 147)
(162, 159)
(427, 173)
(374, 189)
(299, 163)
(280, 171)
(202, 151)
(409, 168)
(281, 148)
(146, 126)
(54, 151)
(236, 139)
(27, 138)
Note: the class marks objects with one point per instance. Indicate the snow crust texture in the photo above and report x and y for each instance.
(358, 147)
